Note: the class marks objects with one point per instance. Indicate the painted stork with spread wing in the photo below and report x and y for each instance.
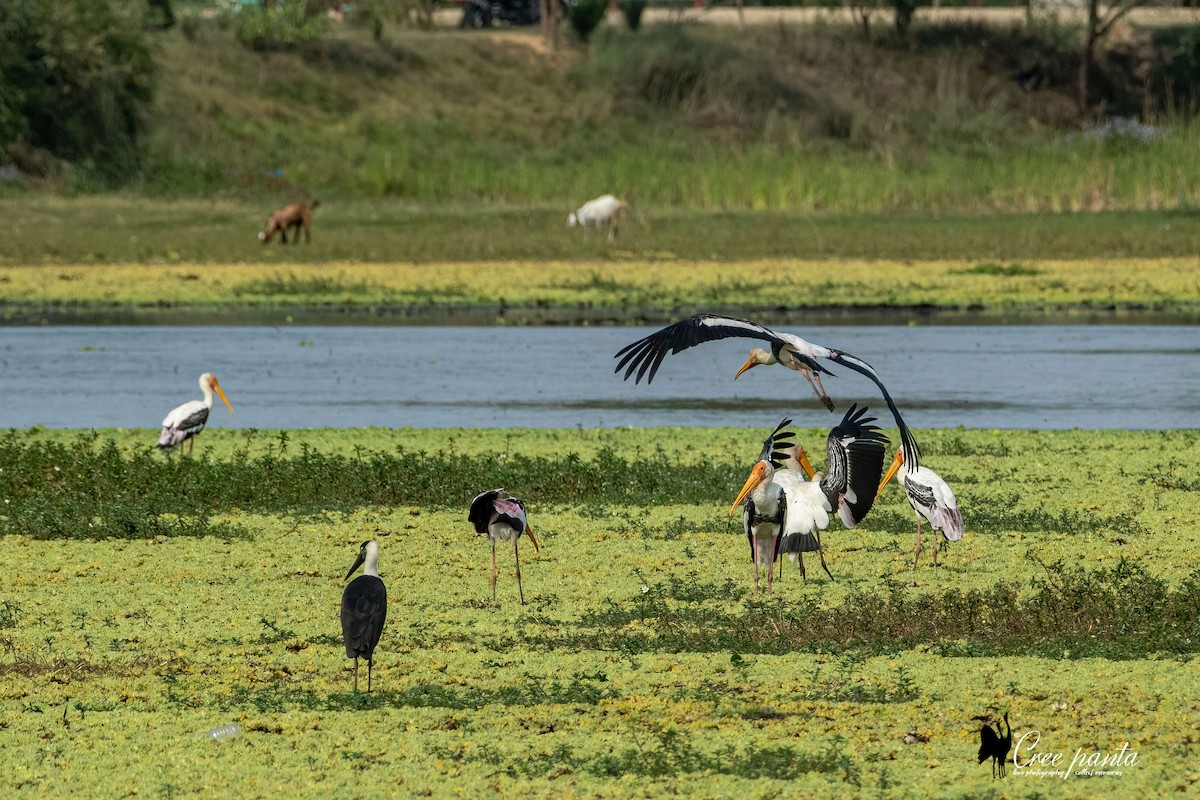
(502, 518)
(187, 420)
(854, 454)
(765, 504)
(930, 498)
(646, 355)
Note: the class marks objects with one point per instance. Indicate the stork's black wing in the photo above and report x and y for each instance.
(364, 609)
(775, 446)
(854, 454)
(912, 453)
(646, 355)
(988, 739)
(481, 509)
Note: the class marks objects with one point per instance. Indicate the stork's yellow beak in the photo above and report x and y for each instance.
(221, 394)
(896, 462)
(750, 364)
(757, 475)
(532, 538)
(802, 457)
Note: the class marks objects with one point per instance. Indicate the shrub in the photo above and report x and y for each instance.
(280, 26)
(632, 10)
(586, 16)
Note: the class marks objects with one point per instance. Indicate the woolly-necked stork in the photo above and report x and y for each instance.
(502, 518)
(646, 355)
(930, 497)
(189, 419)
(854, 454)
(364, 609)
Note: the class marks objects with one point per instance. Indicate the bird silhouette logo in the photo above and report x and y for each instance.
(993, 744)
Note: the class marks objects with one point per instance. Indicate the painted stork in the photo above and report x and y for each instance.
(930, 497)
(364, 609)
(854, 454)
(765, 505)
(187, 420)
(646, 355)
(502, 518)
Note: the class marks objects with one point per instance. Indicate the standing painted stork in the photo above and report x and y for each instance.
(646, 355)
(364, 609)
(931, 498)
(184, 422)
(765, 505)
(502, 518)
(854, 454)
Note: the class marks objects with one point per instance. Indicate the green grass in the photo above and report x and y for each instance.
(642, 657)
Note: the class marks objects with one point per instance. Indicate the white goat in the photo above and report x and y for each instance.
(605, 208)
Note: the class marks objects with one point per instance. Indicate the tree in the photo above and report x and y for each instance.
(1101, 17)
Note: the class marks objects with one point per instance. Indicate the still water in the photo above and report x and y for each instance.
(308, 377)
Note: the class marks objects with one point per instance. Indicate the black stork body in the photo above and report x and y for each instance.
(364, 609)
(855, 450)
(646, 355)
(187, 420)
(994, 746)
(502, 518)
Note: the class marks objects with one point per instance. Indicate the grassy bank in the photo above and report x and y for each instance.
(640, 664)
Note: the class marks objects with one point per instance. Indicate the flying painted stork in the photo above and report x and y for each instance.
(187, 420)
(765, 505)
(502, 518)
(854, 454)
(646, 355)
(931, 498)
(364, 609)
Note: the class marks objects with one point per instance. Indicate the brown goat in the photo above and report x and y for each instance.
(296, 215)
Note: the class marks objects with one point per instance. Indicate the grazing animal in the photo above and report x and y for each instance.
(187, 420)
(502, 518)
(594, 213)
(364, 609)
(930, 498)
(296, 215)
(993, 745)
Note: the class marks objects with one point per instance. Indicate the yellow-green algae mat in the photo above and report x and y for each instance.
(119, 655)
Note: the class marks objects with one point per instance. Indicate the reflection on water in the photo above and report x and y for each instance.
(988, 377)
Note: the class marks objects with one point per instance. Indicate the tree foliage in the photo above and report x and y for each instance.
(74, 78)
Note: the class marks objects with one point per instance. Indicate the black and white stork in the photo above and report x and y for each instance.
(931, 498)
(502, 518)
(646, 355)
(187, 420)
(854, 454)
(765, 505)
(364, 609)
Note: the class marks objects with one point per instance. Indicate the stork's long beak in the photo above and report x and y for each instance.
(221, 394)
(532, 538)
(358, 562)
(750, 364)
(896, 462)
(802, 457)
(756, 477)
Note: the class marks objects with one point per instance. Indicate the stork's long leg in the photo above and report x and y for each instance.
(520, 590)
(800, 561)
(370, 660)
(493, 570)
(356, 673)
(771, 567)
(937, 545)
(821, 553)
(754, 558)
(817, 388)
(917, 551)
(191, 444)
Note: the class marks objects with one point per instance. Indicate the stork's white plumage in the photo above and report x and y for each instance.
(931, 498)
(502, 518)
(764, 512)
(646, 355)
(187, 420)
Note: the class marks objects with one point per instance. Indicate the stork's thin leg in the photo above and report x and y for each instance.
(493, 570)
(937, 545)
(821, 391)
(356, 673)
(520, 590)
(917, 551)
(191, 444)
(800, 560)
(821, 553)
(771, 567)
(754, 558)
(370, 661)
